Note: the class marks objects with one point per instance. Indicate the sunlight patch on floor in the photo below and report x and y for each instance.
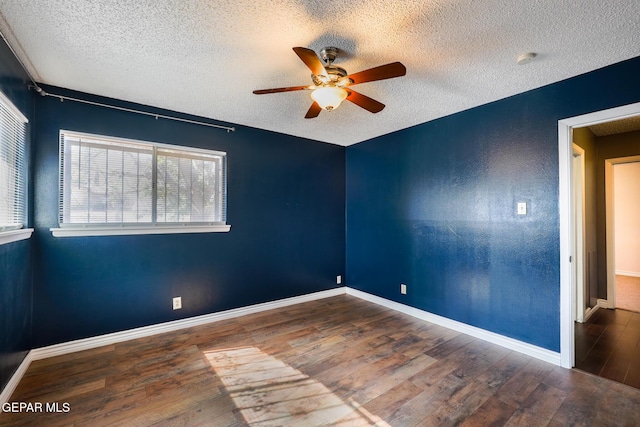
(268, 392)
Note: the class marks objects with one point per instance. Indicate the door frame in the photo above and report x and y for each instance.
(609, 179)
(567, 226)
(578, 208)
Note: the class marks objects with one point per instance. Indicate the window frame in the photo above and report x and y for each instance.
(69, 229)
(19, 231)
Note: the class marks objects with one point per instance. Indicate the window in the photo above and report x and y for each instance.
(13, 172)
(119, 186)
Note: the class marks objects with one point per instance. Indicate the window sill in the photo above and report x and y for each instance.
(129, 230)
(15, 235)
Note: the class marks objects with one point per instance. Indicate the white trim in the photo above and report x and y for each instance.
(567, 346)
(131, 230)
(160, 328)
(628, 273)
(15, 235)
(567, 288)
(578, 206)
(604, 303)
(589, 312)
(501, 340)
(610, 227)
(15, 379)
(68, 139)
(146, 331)
(610, 222)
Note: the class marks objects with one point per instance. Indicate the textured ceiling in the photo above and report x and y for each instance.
(206, 57)
(630, 124)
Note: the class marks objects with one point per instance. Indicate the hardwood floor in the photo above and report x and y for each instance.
(608, 345)
(338, 361)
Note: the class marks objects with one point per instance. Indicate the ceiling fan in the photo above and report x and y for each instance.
(332, 85)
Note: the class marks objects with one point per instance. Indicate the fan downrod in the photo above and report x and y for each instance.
(329, 54)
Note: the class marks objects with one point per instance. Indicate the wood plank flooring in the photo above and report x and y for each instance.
(338, 361)
(608, 345)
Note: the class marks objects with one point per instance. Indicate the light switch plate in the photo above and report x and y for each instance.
(522, 208)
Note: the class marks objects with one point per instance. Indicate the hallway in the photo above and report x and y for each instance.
(608, 345)
(628, 293)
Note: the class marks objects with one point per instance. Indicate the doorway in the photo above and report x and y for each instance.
(568, 230)
(606, 339)
(623, 231)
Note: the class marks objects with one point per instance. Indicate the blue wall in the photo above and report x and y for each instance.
(286, 204)
(434, 207)
(15, 258)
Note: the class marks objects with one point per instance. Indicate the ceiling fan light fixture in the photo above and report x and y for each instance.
(329, 97)
(329, 82)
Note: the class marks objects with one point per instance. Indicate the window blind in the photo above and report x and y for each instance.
(107, 180)
(13, 139)
(190, 187)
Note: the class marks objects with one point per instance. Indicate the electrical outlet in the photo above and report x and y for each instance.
(338, 279)
(177, 303)
(403, 289)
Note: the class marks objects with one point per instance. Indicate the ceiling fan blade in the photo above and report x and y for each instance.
(280, 89)
(364, 101)
(313, 111)
(388, 71)
(311, 60)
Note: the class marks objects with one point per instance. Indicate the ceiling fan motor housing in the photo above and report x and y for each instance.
(329, 54)
(335, 76)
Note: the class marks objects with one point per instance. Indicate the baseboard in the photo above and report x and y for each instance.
(589, 312)
(628, 273)
(146, 331)
(603, 303)
(15, 379)
(510, 343)
(116, 337)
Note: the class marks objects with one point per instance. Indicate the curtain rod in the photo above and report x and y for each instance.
(42, 92)
(131, 110)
